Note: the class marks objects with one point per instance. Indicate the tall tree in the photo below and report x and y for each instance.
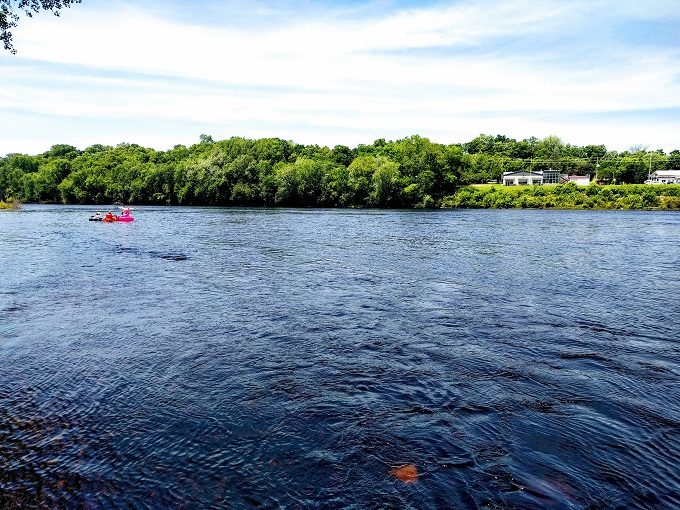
(11, 10)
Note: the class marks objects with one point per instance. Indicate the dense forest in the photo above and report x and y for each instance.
(411, 172)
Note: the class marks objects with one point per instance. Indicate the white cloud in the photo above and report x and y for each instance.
(332, 80)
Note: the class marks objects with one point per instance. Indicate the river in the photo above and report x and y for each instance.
(282, 358)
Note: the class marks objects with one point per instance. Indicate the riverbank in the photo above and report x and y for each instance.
(12, 205)
(566, 196)
(560, 196)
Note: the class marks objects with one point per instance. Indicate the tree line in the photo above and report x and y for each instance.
(410, 172)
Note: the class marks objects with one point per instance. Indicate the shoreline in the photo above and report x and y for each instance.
(567, 196)
(622, 197)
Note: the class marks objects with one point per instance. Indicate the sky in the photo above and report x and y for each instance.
(160, 73)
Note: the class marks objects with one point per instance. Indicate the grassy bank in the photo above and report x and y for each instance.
(11, 205)
(566, 196)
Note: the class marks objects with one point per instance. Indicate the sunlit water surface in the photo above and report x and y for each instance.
(233, 358)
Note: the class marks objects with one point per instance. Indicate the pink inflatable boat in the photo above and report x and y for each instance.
(124, 217)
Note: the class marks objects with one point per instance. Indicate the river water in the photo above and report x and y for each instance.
(254, 358)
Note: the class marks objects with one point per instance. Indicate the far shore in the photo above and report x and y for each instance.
(644, 197)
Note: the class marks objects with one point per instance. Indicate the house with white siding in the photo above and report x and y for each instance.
(664, 177)
(522, 178)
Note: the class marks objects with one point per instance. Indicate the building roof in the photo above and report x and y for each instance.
(522, 173)
(666, 173)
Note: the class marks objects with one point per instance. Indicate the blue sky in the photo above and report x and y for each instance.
(160, 73)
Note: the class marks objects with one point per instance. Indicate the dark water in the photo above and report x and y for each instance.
(232, 358)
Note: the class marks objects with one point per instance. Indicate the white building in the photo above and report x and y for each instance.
(522, 178)
(549, 176)
(664, 177)
(579, 180)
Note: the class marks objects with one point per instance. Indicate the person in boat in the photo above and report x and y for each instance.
(109, 216)
(98, 216)
(126, 211)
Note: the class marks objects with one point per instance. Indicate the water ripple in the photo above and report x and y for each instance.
(246, 358)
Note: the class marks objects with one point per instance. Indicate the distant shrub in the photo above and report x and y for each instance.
(672, 190)
(565, 189)
(630, 202)
(503, 201)
(567, 196)
(427, 202)
(11, 204)
(592, 190)
(529, 202)
(649, 199)
(670, 203)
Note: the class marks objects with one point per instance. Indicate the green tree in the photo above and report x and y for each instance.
(410, 172)
(482, 144)
(47, 179)
(301, 183)
(549, 152)
(337, 188)
(674, 160)
(11, 10)
(342, 155)
(387, 184)
(360, 178)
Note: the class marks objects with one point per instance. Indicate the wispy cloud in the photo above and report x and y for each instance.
(349, 73)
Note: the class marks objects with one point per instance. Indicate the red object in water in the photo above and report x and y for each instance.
(408, 473)
(125, 217)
